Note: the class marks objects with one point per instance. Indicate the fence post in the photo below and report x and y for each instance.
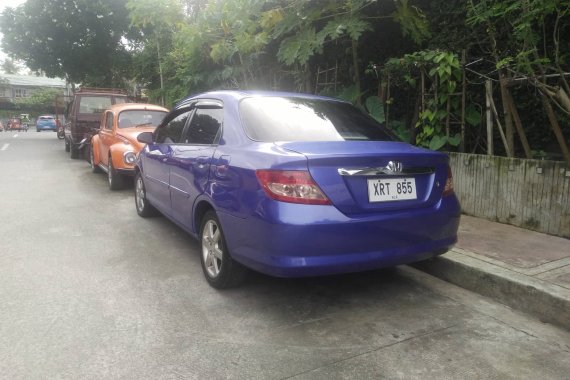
(488, 91)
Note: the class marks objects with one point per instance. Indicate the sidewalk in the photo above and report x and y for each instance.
(523, 269)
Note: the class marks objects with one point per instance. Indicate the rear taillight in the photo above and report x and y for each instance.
(448, 189)
(291, 186)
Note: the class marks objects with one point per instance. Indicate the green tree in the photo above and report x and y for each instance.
(81, 40)
(9, 66)
(524, 37)
(39, 102)
(157, 21)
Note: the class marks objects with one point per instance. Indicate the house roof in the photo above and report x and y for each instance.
(32, 81)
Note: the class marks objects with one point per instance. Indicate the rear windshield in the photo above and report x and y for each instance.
(143, 118)
(94, 104)
(45, 118)
(269, 119)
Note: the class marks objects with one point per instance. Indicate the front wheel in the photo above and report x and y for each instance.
(94, 168)
(220, 270)
(144, 208)
(116, 181)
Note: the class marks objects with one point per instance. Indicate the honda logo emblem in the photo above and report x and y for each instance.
(394, 167)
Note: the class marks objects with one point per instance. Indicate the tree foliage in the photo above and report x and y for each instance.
(9, 66)
(176, 47)
(41, 101)
(80, 40)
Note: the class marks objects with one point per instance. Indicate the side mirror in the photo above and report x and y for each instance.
(145, 137)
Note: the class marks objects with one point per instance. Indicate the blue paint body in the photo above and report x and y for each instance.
(288, 239)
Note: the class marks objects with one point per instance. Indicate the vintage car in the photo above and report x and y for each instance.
(115, 146)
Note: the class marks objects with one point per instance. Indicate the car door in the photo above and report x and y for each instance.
(155, 157)
(190, 161)
(106, 138)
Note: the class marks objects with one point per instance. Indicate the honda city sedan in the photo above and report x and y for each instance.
(46, 123)
(115, 146)
(293, 185)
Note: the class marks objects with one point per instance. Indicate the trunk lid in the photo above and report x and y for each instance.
(358, 178)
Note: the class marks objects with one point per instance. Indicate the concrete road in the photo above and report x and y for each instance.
(88, 290)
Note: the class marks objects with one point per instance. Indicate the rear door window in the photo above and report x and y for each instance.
(205, 127)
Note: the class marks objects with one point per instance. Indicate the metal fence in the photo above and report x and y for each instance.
(532, 194)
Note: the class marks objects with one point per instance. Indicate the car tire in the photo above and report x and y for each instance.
(116, 181)
(220, 270)
(37, 130)
(144, 208)
(74, 152)
(94, 168)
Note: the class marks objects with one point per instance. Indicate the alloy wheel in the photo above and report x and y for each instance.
(211, 248)
(139, 194)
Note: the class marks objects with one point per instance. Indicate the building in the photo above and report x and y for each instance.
(14, 86)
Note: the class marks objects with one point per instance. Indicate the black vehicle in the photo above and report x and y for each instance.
(83, 115)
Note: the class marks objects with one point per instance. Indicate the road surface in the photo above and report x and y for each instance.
(90, 290)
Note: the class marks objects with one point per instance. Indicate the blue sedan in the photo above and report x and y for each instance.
(293, 185)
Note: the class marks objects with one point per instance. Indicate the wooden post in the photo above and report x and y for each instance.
(509, 130)
(387, 102)
(423, 76)
(499, 126)
(556, 127)
(448, 110)
(463, 91)
(518, 124)
(488, 92)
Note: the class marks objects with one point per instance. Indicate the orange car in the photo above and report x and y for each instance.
(115, 146)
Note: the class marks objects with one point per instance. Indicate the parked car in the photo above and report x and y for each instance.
(83, 115)
(115, 146)
(15, 124)
(294, 185)
(46, 123)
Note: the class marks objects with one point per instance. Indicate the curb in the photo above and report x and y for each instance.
(549, 302)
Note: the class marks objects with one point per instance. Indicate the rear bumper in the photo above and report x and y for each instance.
(46, 128)
(298, 240)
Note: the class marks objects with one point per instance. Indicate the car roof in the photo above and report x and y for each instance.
(136, 106)
(238, 95)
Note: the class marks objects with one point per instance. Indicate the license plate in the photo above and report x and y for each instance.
(391, 189)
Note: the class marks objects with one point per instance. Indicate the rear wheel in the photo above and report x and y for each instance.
(74, 152)
(144, 208)
(116, 181)
(220, 270)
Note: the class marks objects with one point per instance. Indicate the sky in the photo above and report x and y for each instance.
(3, 4)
